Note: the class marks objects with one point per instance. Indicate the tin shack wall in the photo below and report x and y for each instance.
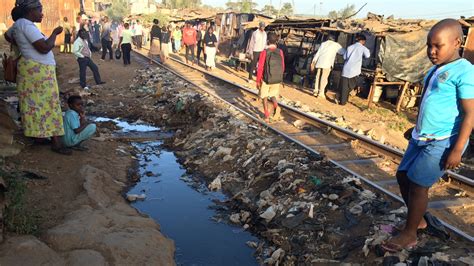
(53, 10)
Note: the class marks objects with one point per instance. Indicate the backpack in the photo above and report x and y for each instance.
(273, 70)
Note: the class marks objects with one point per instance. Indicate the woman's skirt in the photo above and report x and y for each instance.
(210, 56)
(38, 95)
(165, 49)
(155, 47)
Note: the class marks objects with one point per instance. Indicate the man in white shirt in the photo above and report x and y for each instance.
(256, 45)
(138, 30)
(83, 54)
(323, 61)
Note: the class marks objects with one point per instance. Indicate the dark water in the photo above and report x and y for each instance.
(181, 207)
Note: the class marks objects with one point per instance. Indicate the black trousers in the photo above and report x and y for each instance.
(190, 49)
(126, 49)
(107, 45)
(346, 86)
(200, 50)
(83, 64)
(253, 63)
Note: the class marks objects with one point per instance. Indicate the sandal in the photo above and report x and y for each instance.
(61, 150)
(79, 148)
(394, 248)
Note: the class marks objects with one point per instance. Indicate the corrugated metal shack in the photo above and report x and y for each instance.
(54, 12)
(234, 29)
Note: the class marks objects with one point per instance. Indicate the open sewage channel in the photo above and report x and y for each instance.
(182, 205)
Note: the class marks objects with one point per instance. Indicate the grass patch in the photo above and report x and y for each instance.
(18, 218)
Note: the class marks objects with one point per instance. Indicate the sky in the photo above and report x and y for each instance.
(426, 9)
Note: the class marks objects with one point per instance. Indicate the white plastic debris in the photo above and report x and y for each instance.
(311, 211)
(356, 209)
(135, 197)
(333, 196)
(235, 218)
(216, 184)
(269, 214)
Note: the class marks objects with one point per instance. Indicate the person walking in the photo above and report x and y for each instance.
(257, 44)
(83, 54)
(189, 40)
(155, 37)
(210, 48)
(323, 62)
(67, 35)
(352, 68)
(125, 43)
(270, 76)
(201, 33)
(37, 87)
(165, 43)
(138, 34)
(177, 36)
(106, 39)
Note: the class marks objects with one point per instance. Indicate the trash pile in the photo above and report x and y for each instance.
(303, 208)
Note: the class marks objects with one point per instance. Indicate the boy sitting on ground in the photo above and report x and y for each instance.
(76, 127)
(270, 76)
(441, 135)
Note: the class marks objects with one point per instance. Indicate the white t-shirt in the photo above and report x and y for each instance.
(138, 29)
(26, 33)
(326, 54)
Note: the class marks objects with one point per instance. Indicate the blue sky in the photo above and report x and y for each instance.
(434, 9)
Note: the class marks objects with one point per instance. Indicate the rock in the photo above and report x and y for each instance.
(235, 218)
(222, 151)
(356, 209)
(28, 250)
(277, 255)
(216, 184)
(360, 132)
(299, 124)
(84, 257)
(269, 214)
(266, 194)
(227, 158)
(244, 216)
(135, 197)
(333, 196)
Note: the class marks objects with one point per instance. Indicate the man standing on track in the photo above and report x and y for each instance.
(189, 40)
(257, 44)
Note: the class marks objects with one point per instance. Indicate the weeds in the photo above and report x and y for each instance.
(18, 218)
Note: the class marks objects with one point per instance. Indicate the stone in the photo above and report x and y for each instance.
(333, 196)
(222, 151)
(28, 250)
(235, 218)
(84, 257)
(299, 124)
(356, 209)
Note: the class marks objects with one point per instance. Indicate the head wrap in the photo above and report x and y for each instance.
(28, 4)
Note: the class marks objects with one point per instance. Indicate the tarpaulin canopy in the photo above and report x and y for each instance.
(403, 56)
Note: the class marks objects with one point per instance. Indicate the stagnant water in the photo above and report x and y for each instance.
(183, 208)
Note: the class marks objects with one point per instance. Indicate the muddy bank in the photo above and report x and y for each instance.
(83, 217)
(304, 209)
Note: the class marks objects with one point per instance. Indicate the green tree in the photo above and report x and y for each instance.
(118, 10)
(269, 10)
(286, 10)
(242, 6)
(342, 13)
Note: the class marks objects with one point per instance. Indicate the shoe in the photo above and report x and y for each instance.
(86, 88)
(62, 150)
(101, 83)
(102, 59)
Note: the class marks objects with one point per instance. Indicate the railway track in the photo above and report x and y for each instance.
(374, 163)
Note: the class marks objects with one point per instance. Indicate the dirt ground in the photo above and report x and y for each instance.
(81, 196)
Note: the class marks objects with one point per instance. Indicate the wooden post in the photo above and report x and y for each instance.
(371, 93)
(402, 94)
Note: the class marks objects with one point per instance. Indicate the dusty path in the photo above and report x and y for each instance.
(83, 217)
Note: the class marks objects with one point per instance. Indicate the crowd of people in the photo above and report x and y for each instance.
(440, 137)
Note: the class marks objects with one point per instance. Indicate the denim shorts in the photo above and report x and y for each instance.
(424, 161)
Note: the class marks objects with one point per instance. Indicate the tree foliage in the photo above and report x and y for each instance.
(118, 10)
(286, 10)
(182, 3)
(342, 13)
(242, 6)
(269, 10)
